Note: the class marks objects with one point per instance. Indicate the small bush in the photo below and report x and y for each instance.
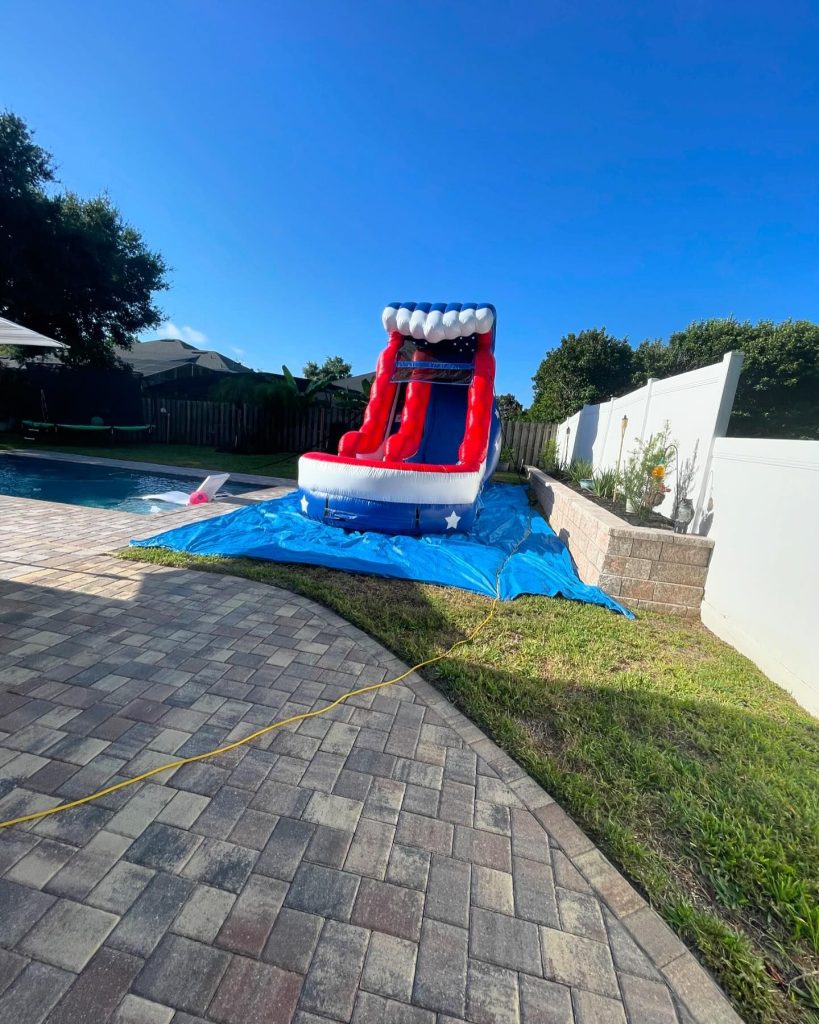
(605, 483)
(580, 469)
(549, 456)
(639, 483)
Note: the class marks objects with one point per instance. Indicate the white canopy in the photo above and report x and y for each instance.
(15, 334)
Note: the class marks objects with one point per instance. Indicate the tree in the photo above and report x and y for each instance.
(776, 395)
(70, 268)
(509, 407)
(333, 368)
(587, 367)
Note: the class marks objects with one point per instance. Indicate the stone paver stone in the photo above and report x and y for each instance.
(574, 960)
(293, 940)
(505, 941)
(595, 1009)
(254, 912)
(30, 998)
(204, 913)
(22, 907)
(647, 1001)
(332, 982)
(99, 989)
(182, 974)
(323, 891)
(68, 935)
(544, 1002)
(440, 974)
(390, 967)
(255, 993)
(491, 994)
(136, 1010)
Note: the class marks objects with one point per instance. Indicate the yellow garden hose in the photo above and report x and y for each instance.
(35, 815)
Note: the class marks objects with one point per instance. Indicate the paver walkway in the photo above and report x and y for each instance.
(383, 863)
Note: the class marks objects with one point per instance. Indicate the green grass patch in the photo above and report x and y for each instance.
(694, 773)
(284, 464)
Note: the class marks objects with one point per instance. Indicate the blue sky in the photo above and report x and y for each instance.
(300, 164)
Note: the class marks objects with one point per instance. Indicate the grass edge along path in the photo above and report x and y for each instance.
(693, 772)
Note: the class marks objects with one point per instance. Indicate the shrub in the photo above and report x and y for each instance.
(549, 456)
(641, 480)
(580, 469)
(605, 483)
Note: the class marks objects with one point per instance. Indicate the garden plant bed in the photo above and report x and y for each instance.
(649, 520)
(644, 567)
(692, 771)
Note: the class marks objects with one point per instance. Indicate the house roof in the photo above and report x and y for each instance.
(151, 357)
(354, 383)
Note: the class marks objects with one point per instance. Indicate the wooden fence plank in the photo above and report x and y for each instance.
(527, 440)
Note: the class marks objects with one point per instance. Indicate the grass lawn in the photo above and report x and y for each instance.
(693, 772)
(284, 464)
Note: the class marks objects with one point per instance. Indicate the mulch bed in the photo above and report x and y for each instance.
(652, 520)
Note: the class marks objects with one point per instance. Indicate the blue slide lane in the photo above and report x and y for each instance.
(277, 531)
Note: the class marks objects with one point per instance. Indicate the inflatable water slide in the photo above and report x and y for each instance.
(431, 433)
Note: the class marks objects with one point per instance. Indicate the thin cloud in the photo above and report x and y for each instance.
(238, 351)
(184, 333)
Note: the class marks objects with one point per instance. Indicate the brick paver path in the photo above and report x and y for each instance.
(383, 863)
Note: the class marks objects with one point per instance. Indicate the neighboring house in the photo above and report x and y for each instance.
(170, 360)
(355, 383)
(171, 368)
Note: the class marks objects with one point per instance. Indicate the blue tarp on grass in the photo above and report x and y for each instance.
(278, 532)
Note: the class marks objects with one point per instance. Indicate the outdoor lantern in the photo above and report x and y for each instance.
(685, 513)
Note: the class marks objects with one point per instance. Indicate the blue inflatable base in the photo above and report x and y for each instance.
(278, 531)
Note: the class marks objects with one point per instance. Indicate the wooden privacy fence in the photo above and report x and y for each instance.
(527, 440)
(237, 425)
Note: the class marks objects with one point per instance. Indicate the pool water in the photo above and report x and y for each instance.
(81, 483)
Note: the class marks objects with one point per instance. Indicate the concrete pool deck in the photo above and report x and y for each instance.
(383, 863)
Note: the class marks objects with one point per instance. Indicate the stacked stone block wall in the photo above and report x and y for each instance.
(645, 568)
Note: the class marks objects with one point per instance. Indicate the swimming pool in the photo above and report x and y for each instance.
(95, 486)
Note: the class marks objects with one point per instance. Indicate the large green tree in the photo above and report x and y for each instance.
(70, 268)
(333, 368)
(509, 408)
(585, 368)
(778, 392)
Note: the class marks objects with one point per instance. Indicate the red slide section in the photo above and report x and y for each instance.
(479, 406)
(382, 395)
(406, 441)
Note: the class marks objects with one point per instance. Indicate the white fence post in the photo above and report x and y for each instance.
(649, 388)
(731, 369)
(610, 404)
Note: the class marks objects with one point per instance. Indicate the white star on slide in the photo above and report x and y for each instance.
(452, 520)
(303, 503)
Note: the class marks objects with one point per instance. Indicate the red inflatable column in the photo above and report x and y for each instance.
(479, 406)
(382, 394)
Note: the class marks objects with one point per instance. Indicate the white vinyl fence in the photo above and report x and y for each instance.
(762, 592)
(696, 405)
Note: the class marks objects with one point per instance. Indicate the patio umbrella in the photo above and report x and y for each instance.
(16, 334)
